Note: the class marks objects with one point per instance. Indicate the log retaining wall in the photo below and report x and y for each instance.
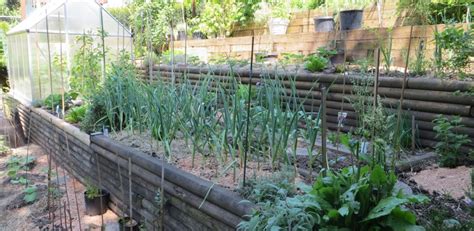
(186, 205)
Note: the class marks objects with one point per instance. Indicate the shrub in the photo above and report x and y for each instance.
(316, 63)
(449, 145)
(453, 49)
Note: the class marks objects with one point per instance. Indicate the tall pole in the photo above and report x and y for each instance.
(248, 110)
(323, 130)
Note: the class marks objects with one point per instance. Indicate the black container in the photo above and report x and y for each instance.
(198, 35)
(351, 19)
(323, 24)
(337, 58)
(93, 206)
(125, 224)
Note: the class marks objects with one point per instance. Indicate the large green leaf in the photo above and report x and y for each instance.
(385, 207)
(403, 220)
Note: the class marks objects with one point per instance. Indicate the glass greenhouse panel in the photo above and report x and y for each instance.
(42, 47)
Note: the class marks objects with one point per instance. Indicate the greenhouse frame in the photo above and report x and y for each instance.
(41, 48)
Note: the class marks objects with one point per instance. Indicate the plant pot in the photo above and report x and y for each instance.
(337, 58)
(278, 26)
(181, 35)
(323, 24)
(94, 206)
(198, 35)
(351, 19)
(127, 224)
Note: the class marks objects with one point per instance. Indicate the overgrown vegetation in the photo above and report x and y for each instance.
(354, 199)
(449, 146)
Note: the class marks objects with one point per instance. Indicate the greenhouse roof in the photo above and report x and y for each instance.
(72, 16)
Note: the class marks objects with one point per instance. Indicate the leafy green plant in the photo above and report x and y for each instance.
(453, 49)
(15, 164)
(86, 66)
(316, 63)
(353, 199)
(76, 114)
(219, 18)
(92, 191)
(325, 53)
(294, 213)
(54, 100)
(290, 58)
(386, 50)
(31, 194)
(450, 142)
(277, 186)
(364, 199)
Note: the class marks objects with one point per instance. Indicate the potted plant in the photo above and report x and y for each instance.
(350, 16)
(127, 223)
(96, 200)
(279, 20)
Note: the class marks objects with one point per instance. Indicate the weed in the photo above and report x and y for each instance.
(76, 114)
(92, 191)
(31, 194)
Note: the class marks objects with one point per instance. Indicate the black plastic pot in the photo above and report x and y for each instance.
(351, 19)
(323, 24)
(337, 58)
(127, 224)
(198, 35)
(94, 206)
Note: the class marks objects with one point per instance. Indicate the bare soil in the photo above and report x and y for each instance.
(454, 182)
(16, 214)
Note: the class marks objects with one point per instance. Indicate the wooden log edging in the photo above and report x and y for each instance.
(187, 206)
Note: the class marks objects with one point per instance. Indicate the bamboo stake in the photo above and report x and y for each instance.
(248, 111)
(73, 183)
(101, 189)
(405, 74)
(324, 131)
(130, 188)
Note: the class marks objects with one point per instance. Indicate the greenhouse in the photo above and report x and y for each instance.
(50, 37)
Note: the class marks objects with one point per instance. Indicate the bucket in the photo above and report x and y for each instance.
(351, 19)
(324, 24)
(278, 26)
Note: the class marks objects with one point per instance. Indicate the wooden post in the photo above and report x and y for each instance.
(413, 133)
(323, 130)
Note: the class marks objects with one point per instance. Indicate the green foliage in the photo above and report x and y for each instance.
(386, 51)
(151, 23)
(219, 18)
(122, 14)
(420, 64)
(76, 114)
(290, 58)
(453, 48)
(31, 194)
(15, 164)
(352, 199)
(54, 100)
(277, 186)
(92, 191)
(449, 145)
(315, 63)
(86, 66)
(293, 213)
(365, 64)
(325, 53)
(418, 12)
(364, 199)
